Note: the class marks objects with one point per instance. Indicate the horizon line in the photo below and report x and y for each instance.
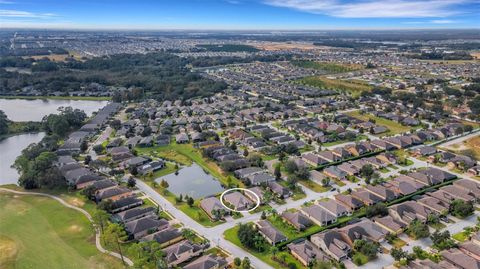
(235, 29)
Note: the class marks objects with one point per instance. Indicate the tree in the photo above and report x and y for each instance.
(376, 209)
(190, 201)
(367, 248)
(291, 149)
(100, 219)
(460, 208)
(302, 173)
(113, 235)
(474, 105)
(325, 181)
(116, 124)
(274, 250)
(367, 171)
(164, 184)
(290, 166)
(84, 146)
(147, 254)
(398, 254)
(249, 236)
(237, 261)
(442, 240)
(255, 160)
(277, 172)
(264, 215)
(131, 182)
(417, 229)
(3, 123)
(246, 263)
(87, 160)
(98, 148)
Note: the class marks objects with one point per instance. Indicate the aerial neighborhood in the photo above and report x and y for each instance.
(209, 152)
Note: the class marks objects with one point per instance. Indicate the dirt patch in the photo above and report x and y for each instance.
(76, 202)
(287, 46)
(475, 55)
(75, 228)
(8, 251)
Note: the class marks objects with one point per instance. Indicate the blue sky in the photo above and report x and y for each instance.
(240, 14)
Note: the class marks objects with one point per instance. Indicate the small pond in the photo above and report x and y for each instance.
(192, 181)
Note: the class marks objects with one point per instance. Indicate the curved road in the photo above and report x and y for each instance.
(97, 231)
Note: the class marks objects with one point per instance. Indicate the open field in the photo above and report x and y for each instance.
(55, 57)
(450, 61)
(327, 66)
(470, 146)
(394, 127)
(86, 98)
(38, 232)
(286, 46)
(354, 88)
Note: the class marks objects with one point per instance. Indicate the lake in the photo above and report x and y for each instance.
(36, 109)
(10, 148)
(192, 181)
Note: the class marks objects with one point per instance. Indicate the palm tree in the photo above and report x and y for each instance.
(274, 251)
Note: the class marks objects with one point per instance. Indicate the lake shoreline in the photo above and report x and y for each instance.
(82, 98)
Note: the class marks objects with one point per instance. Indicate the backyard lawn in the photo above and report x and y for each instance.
(39, 232)
(461, 236)
(314, 186)
(394, 127)
(266, 256)
(194, 211)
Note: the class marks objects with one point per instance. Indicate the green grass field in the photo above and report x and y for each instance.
(266, 256)
(460, 237)
(39, 232)
(327, 66)
(354, 88)
(394, 127)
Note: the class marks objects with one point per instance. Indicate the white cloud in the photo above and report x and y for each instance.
(6, 2)
(24, 14)
(442, 21)
(374, 8)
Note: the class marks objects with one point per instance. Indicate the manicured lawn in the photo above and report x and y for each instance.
(289, 231)
(168, 169)
(437, 226)
(398, 243)
(394, 127)
(461, 236)
(266, 256)
(339, 182)
(314, 186)
(359, 259)
(39, 232)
